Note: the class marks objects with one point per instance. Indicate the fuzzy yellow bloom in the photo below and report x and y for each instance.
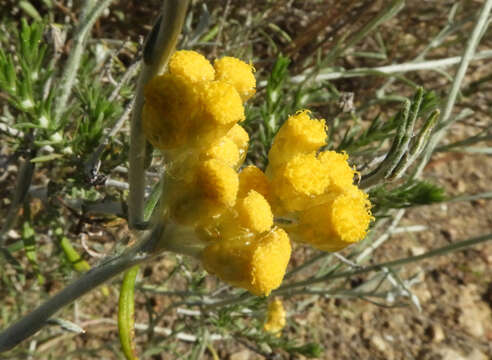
(191, 65)
(225, 150)
(192, 113)
(218, 182)
(337, 223)
(299, 181)
(299, 134)
(238, 74)
(221, 104)
(257, 265)
(203, 198)
(254, 212)
(337, 169)
(186, 106)
(252, 178)
(275, 320)
(170, 110)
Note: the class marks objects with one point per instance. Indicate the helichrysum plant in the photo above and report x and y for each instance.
(245, 219)
(245, 179)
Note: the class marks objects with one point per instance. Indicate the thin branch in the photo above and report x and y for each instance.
(34, 321)
(91, 12)
(24, 179)
(446, 121)
(460, 245)
(390, 69)
(124, 79)
(159, 47)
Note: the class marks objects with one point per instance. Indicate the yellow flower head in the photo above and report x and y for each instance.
(257, 265)
(299, 181)
(238, 74)
(217, 182)
(170, 109)
(225, 150)
(337, 169)
(299, 134)
(252, 178)
(337, 223)
(254, 212)
(221, 104)
(275, 320)
(187, 106)
(191, 65)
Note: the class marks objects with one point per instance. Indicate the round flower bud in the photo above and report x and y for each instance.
(257, 265)
(217, 182)
(224, 150)
(171, 105)
(221, 104)
(191, 65)
(254, 212)
(238, 74)
(337, 223)
(337, 169)
(241, 138)
(299, 134)
(298, 182)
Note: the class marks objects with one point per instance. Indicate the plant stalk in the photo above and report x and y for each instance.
(90, 14)
(446, 121)
(160, 44)
(34, 321)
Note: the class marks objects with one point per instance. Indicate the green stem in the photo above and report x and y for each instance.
(126, 309)
(157, 52)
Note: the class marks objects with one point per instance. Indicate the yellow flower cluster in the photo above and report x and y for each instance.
(192, 113)
(315, 188)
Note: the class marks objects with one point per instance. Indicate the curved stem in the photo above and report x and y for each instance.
(158, 49)
(446, 121)
(126, 310)
(35, 320)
